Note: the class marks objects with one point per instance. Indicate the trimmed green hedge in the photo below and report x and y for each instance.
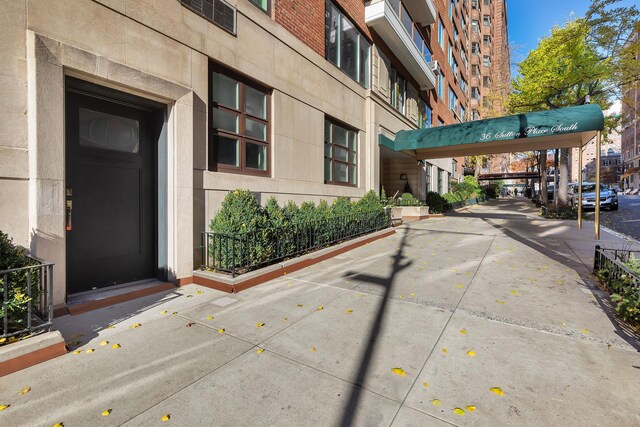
(248, 235)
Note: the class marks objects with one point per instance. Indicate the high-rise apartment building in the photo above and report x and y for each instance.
(126, 123)
(630, 141)
(490, 68)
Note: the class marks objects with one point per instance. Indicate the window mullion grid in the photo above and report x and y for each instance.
(232, 135)
(242, 126)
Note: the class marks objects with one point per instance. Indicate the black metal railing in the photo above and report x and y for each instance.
(242, 252)
(27, 301)
(612, 261)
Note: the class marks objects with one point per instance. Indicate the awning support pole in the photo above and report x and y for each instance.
(597, 223)
(579, 186)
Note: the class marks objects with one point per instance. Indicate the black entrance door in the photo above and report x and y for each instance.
(110, 190)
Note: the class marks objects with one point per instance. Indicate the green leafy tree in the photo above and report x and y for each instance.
(578, 63)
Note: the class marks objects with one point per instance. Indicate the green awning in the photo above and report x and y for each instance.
(560, 128)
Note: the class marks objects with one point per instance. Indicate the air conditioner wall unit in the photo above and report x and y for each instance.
(435, 67)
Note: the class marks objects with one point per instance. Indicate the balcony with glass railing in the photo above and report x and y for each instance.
(399, 30)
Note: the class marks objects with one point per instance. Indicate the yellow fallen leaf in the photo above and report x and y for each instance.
(260, 325)
(585, 331)
(166, 417)
(77, 352)
(116, 346)
(320, 308)
(314, 349)
(260, 350)
(58, 425)
(2, 340)
(135, 325)
(564, 324)
(200, 292)
(175, 312)
(103, 343)
(106, 412)
(90, 350)
(413, 294)
(163, 312)
(463, 331)
(470, 408)
(401, 297)
(3, 407)
(454, 270)
(514, 292)
(436, 402)
(25, 390)
(284, 319)
(189, 296)
(444, 350)
(499, 302)
(111, 327)
(209, 317)
(300, 305)
(460, 286)
(497, 390)
(349, 311)
(459, 411)
(471, 353)
(221, 331)
(398, 371)
(425, 384)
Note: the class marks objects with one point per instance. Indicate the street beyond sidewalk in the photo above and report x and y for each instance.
(488, 316)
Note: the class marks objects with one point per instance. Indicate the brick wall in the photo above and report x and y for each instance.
(305, 19)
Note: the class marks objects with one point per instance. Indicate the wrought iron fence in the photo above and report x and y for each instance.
(617, 273)
(241, 252)
(27, 302)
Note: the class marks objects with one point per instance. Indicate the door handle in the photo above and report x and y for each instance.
(69, 208)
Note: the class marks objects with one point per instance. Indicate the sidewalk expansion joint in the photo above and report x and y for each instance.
(542, 328)
(444, 328)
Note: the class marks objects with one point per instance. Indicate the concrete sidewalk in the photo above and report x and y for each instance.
(489, 298)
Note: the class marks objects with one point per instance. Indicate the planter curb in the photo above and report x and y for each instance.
(31, 351)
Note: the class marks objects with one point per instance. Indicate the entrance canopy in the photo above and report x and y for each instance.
(541, 130)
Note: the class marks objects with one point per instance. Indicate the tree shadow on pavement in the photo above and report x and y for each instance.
(622, 329)
(400, 263)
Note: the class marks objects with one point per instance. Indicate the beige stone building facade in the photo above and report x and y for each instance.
(125, 122)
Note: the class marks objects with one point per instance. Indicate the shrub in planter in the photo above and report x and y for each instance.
(453, 197)
(240, 215)
(247, 235)
(465, 190)
(408, 199)
(370, 202)
(12, 256)
(435, 202)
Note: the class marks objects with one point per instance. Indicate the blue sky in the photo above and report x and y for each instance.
(530, 20)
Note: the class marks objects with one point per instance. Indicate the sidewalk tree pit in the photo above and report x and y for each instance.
(244, 235)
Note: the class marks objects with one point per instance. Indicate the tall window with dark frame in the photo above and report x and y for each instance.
(398, 86)
(340, 154)
(345, 47)
(239, 124)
